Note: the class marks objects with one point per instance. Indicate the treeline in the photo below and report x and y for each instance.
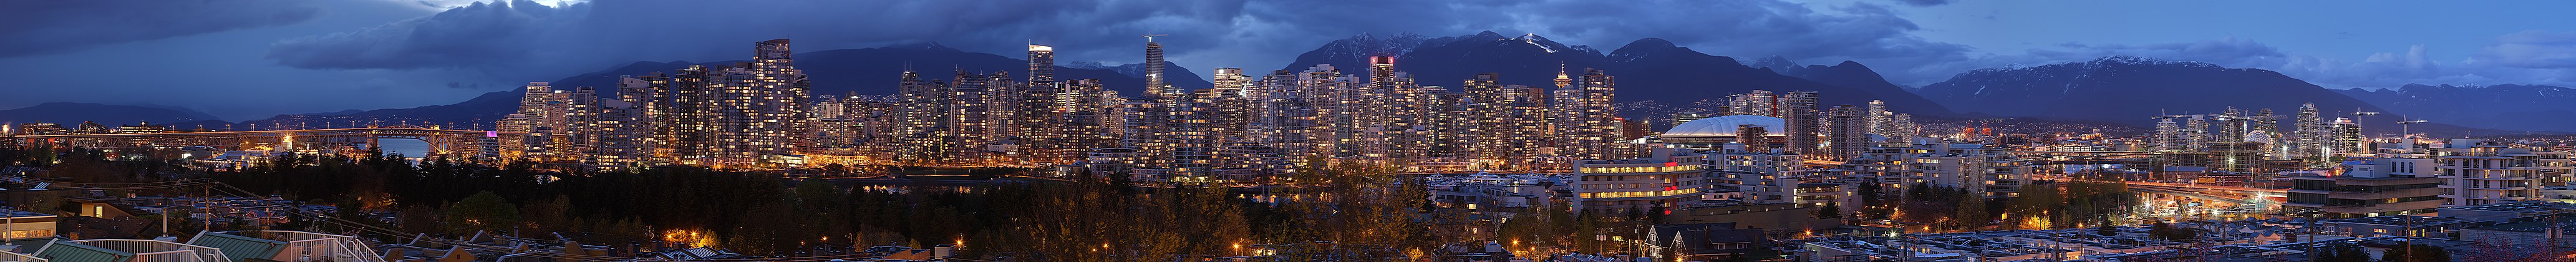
(2045, 205)
(1364, 207)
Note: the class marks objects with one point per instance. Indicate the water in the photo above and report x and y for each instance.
(405, 147)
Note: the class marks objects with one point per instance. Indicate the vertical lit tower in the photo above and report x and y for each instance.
(774, 92)
(1042, 64)
(1398, 104)
(1154, 85)
(1562, 81)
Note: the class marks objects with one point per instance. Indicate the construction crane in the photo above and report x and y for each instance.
(2406, 127)
(1150, 37)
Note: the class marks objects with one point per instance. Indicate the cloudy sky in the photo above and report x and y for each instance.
(247, 59)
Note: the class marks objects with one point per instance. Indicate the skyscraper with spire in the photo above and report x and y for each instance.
(1042, 64)
(1154, 84)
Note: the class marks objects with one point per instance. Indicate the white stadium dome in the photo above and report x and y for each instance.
(1725, 126)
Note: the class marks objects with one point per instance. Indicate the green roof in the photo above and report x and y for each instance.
(239, 248)
(64, 251)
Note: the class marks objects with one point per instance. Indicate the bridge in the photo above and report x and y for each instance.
(2062, 157)
(441, 141)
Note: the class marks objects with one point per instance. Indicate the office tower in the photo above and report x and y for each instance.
(1154, 85)
(1041, 64)
(1849, 130)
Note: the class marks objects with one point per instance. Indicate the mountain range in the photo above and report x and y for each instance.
(2131, 90)
(1654, 77)
(69, 114)
(2496, 106)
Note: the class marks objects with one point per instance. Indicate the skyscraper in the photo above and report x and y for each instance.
(1154, 85)
(1042, 64)
(1849, 130)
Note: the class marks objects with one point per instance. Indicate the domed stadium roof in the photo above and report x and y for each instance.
(1726, 125)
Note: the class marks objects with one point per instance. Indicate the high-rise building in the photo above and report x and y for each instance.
(1154, 84)
(1586, 118)
(1849, 128)
(1041, 64)
(2311, 137)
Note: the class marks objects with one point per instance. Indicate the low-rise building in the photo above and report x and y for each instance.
(1703, 242)
(1659, 181)
(2367, 187)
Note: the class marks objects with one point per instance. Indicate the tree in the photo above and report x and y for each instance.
(1829, 210)
(1873, 201)
(2107, 230)
(2341, 253)
(2417, 253)
(2168, 232)
(483, 211)
(422, 218)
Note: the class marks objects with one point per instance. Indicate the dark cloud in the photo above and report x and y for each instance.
(1233, 33)
(2534, 49)
(1924, 2)
(473, 35)
(48, 26)
(2532, 57)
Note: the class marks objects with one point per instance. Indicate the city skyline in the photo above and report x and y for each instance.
(807, 132)
(1940, 39)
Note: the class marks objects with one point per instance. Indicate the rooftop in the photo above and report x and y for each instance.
(2526, 206)
(1726, 126)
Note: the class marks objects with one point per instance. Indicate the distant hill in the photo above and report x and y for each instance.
(2497, 106)
(2131, 90)
(69, 114)
(1651, 73)
(864, 71)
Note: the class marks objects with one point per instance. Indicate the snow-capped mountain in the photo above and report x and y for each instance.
(2124, 89)
(2506, 106)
